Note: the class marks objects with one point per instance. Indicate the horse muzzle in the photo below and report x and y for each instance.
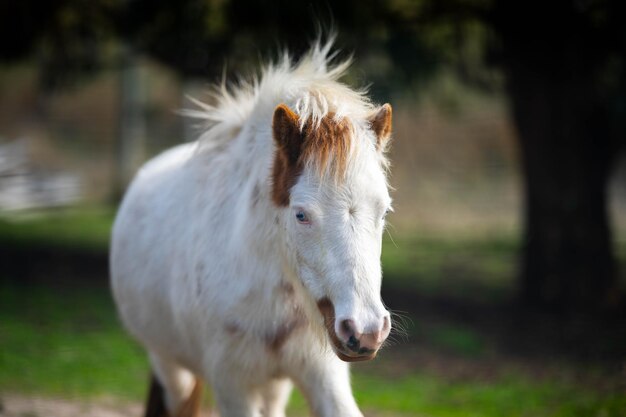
(349, 344)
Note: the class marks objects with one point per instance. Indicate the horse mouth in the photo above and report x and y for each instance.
(353, 358)
(328, 312)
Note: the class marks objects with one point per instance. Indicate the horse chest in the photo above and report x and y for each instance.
(266, 323)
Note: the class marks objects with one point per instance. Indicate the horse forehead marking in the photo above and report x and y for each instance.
(327, 143)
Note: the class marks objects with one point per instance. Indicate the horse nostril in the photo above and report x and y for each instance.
(349, 334)
(353, 344)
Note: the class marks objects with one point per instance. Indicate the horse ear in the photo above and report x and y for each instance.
(286, 132)
(381, 125)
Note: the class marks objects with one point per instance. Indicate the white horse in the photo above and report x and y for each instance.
(250, 259)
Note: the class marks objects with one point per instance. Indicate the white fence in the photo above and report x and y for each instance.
(22, 186)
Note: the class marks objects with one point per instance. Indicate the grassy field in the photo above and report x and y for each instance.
(64, 340)
(85, 228)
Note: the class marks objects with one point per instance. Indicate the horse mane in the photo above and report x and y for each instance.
(310, 86)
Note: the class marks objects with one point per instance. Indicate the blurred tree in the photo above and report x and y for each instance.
(564, 62)
(69, 38)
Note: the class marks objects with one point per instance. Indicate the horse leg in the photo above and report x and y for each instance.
(235, 399)
(155, 407)
(275, 397)
(174, 391)
(325, 382)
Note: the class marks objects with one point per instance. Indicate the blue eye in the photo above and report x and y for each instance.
(302, 217)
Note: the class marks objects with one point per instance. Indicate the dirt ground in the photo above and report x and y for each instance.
(33, 406)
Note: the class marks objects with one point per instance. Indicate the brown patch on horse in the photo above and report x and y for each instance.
(233, 329)
(155, 407)
(288, 139)
(325, 144)
(327, 309)
(381, 125)
(191, 406)
(275, 341)
(287, 288)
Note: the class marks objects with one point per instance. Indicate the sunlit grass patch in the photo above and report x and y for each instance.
(464, 266)
(81, 227)
(511, 396)
(66, 341)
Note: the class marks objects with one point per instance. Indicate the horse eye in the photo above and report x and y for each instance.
(302, 217)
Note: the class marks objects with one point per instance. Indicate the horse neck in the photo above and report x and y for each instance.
(257, 221)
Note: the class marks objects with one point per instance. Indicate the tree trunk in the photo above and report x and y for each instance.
(555, 59)
(567, 262)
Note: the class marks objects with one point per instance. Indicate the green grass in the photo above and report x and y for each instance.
(515, 395)
(456, 339)
(462, 266)
(87, 228)
(66, 341)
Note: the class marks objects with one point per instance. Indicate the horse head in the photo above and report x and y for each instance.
(329, 179)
